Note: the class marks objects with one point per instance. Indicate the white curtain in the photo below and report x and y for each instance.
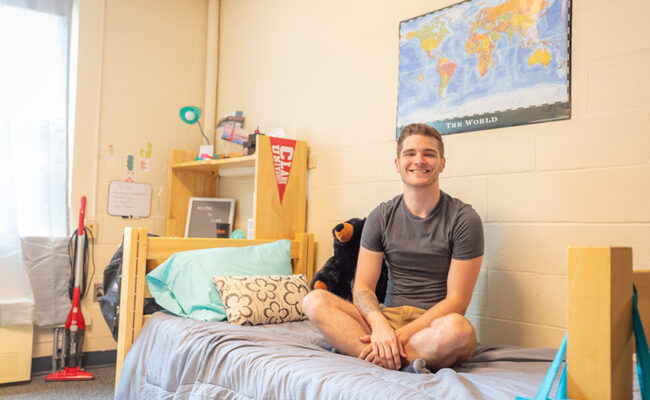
(34, 37)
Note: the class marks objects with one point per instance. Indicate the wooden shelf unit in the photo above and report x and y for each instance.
(273, 220)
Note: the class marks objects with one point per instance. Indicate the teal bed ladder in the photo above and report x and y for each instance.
(547, 383)
(642, 364)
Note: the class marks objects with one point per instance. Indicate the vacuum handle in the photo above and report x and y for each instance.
(82, 215)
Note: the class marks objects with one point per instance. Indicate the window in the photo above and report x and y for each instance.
(34, 46)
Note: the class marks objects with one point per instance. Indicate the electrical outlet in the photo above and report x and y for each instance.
(98, 291)
(91, 225)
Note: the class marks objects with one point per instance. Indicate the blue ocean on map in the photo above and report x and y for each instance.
(481, 57)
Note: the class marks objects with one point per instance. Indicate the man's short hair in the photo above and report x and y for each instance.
(420, 129)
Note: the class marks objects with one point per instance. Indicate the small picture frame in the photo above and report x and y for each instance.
(205, 213)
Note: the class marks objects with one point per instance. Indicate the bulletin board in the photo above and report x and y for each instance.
(129, 199)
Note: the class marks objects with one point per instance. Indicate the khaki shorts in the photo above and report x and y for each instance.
(399, 316)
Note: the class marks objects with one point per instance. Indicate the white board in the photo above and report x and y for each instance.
(127, 199)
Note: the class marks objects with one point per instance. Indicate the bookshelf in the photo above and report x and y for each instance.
(273, 219)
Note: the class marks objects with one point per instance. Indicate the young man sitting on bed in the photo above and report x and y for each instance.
(434, 247)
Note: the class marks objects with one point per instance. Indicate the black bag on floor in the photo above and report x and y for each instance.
(109, 303)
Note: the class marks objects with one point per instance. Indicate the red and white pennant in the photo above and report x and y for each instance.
(282, 150)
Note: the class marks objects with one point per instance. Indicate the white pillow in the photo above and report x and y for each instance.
(256, 300)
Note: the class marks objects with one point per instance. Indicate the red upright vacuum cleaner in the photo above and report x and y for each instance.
(75, 325)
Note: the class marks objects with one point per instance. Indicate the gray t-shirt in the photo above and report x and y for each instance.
(419, 250)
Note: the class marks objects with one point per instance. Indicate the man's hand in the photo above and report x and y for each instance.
(384, 348)
(367, 354)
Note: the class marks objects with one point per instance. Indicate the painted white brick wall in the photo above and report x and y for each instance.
(149, 72)
(594, 141)
(489, 153)
(539, 188)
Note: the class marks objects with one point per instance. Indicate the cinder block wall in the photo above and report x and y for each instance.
(326, 72)
(152, 64)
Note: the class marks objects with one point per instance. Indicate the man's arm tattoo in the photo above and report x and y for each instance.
(366, 301)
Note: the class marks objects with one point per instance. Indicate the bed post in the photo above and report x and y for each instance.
(599, 350)
(309, 256)
(305, 263)
(131, 293)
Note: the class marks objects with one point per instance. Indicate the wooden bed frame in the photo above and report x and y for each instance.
(142, 254)
(600, 343)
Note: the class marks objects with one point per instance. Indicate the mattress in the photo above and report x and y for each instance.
(179, 358)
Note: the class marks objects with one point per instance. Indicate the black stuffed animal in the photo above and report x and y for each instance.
(337, 275)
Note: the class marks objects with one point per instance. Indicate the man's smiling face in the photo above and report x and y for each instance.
(419, 163)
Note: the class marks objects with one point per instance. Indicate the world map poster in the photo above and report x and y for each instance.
(484, 64)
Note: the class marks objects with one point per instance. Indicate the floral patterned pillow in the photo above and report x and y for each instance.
(256, 300)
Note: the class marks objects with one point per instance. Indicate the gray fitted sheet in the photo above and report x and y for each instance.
(179, 358)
